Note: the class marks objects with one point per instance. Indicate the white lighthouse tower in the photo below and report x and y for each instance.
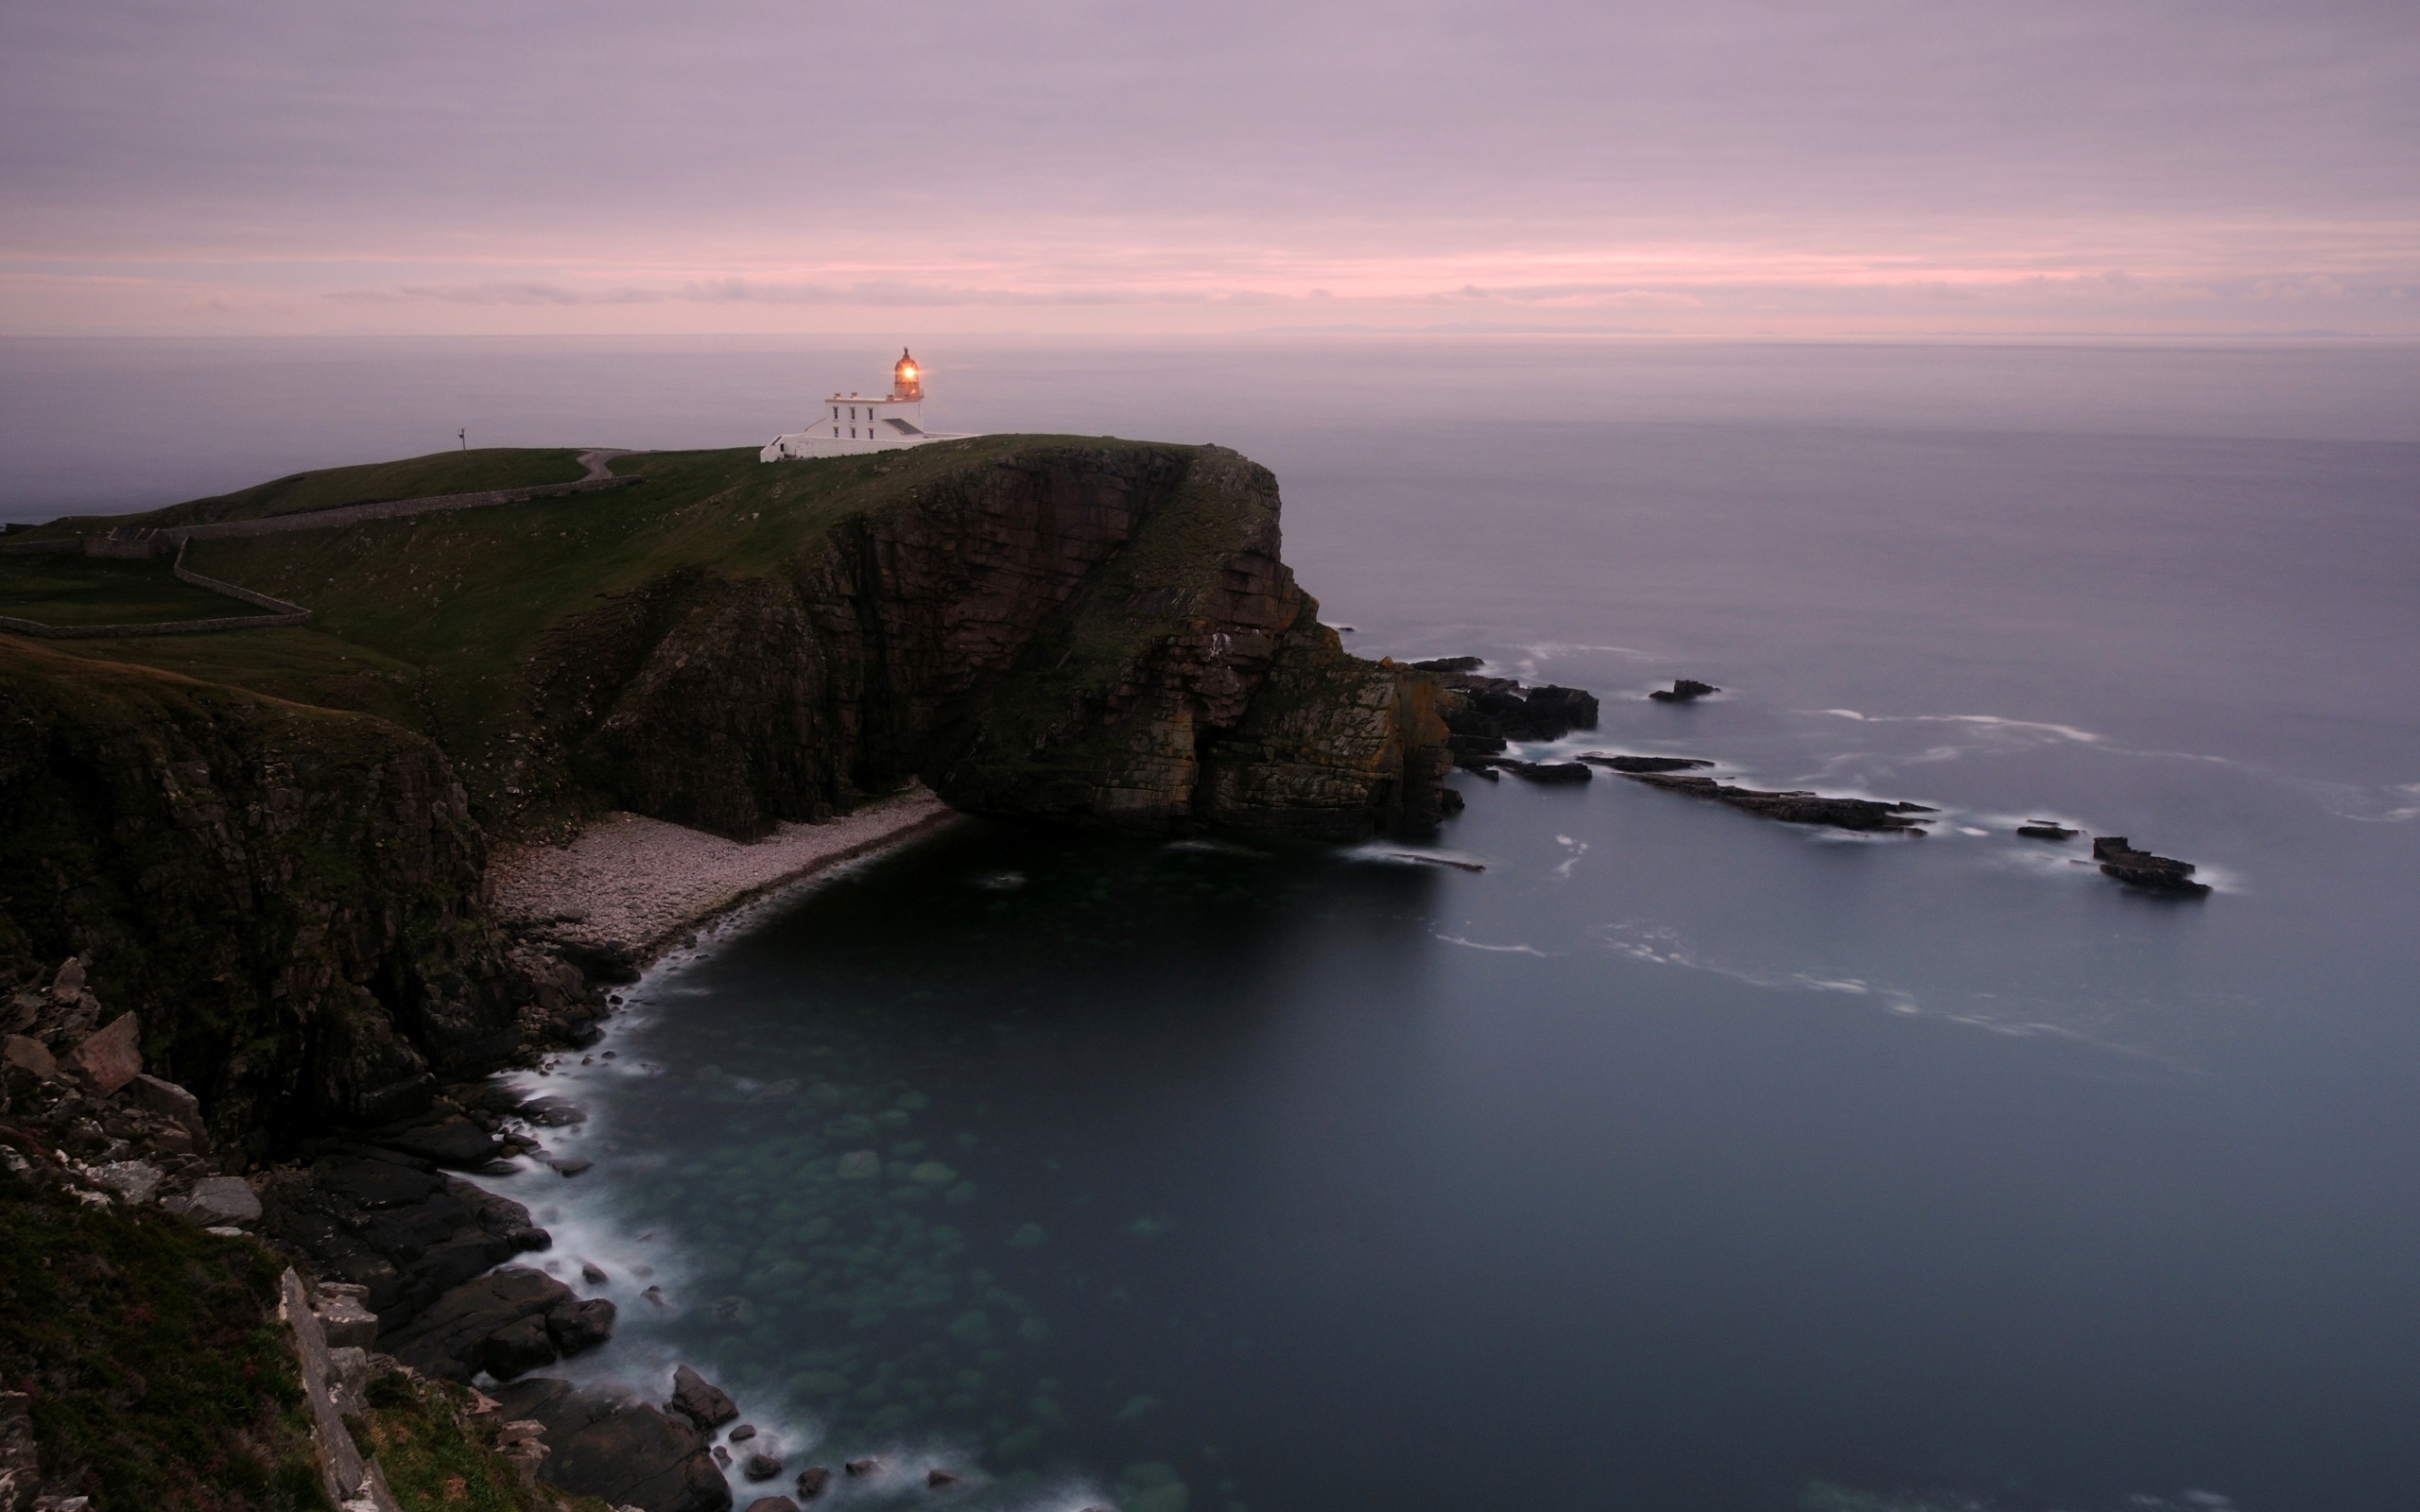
(854, 422)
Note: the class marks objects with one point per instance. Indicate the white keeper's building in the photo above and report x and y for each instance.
(854, 423)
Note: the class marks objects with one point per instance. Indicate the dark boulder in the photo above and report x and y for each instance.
(606, 961)
(2140, 869)
(1562, 772)
(862, 1467)
(743, 1433)
(475, 1325)
(624, 1453)
(936, 1479)
(1644, 763)
(761, 1465)
(1482, 713)
(812, 1481)
(2046, 830)
(1684, 689)
(577, 1326)
(696, 1399)
(1452, 663)
(1863, 813)
(516, 1349)
(772, 1504)
(450, 1139)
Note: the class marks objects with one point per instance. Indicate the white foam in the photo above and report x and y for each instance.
(1508, 950)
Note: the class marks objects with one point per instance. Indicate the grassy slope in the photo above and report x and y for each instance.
(474, 472)
(158, 1381)
(104, 591)
(428, 620)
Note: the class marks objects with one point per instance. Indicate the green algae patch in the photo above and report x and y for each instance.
(160, 1377)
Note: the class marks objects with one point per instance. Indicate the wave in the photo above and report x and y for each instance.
(1505, 949)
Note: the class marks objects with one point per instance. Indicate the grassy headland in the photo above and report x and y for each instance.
(431, 622)
(473, 471)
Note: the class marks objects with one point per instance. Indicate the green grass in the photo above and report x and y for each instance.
(473, 471)
(431, 621)
(437, 1458)
(74, 590)
(160, 1381)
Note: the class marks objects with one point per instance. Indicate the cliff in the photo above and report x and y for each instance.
(270, 843)
(287, 897)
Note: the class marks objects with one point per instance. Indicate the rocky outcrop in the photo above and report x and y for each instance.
(1797, 807)
(1483, 713)
(621, 1451)
(2140, 869)
(1684, 689)
(287, 899)
(1104, 634)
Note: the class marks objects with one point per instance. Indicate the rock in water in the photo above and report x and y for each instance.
(936, 1479)
(623, 1453)
(495, 1323)
(761, 1467)
(1452, 663)
(1684, 689)
(1563, 772)
(862, 1467)
(1797, 808)
(693, 1397)
(812, 1481)
(743, 1433)
(577, 1326)
(772, 1504)
(2046, 830)
(1643, 763)
(2140, 869)
(1483, 712)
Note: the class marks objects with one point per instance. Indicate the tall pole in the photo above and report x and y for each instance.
(465, 434)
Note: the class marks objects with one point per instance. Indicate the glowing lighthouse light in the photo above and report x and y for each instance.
(854, 422)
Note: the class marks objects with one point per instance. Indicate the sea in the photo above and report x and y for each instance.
(1601, 1149)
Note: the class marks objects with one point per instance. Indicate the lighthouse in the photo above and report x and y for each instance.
(859, 422)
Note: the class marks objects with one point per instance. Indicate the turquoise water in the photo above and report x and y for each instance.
(1676, 1159)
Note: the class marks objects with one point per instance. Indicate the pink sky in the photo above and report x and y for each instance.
(1893, 168)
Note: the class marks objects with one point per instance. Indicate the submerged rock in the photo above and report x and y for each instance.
(772, 1504)
(2046, 830)
(2140, 869)
(1863, 813)
(862, 1467)
(1684, 689)
(812, 1481)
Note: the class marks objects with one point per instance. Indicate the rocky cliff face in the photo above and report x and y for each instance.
(291, 896)
(1100, 634)
(288, 898)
